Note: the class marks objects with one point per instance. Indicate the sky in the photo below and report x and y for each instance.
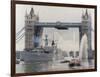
(67, 39)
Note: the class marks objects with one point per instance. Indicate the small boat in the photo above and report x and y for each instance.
(66, 60)
(74, 62)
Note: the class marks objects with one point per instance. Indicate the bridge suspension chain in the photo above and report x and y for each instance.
(20, 37)
(18, 33)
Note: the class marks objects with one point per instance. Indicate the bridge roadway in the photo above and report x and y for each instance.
(58, 24)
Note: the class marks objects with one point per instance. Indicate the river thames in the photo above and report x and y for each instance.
(50, 66)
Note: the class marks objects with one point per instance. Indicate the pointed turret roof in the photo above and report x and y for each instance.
(86, 13)
(32, 12)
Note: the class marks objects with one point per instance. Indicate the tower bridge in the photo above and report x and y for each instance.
(34, 29)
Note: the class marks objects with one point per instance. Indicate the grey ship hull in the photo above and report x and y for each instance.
(30, 57)
(37, 55)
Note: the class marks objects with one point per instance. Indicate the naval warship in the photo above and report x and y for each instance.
(41, 54)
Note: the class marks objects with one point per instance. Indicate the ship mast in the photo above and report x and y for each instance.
(74, 42)
(53, 42)
(46, 40)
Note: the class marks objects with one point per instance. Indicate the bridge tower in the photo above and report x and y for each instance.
(86, 29)
(30, 20)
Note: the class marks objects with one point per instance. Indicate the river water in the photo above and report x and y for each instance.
(49, 66)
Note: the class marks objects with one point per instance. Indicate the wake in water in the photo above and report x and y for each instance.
(83, 53)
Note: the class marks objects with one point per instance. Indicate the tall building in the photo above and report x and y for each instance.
(32, 33)
(86, 29)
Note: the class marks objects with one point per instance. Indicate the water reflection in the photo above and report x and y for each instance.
(49, 66)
